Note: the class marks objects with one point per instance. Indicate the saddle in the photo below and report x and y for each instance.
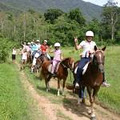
(84, 69)
(56, 68)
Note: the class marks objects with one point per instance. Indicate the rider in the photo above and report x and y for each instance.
(88, 50)
(57, 57)
(44, 49)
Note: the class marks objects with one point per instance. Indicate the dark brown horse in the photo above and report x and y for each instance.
(61, 73)
(93, 76)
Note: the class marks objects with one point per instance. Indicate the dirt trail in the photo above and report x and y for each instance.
(69, 112)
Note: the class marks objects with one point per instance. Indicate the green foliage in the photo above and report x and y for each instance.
(32, 25)
(5, 46)
(110, 22)
(52, 14)
(64, 30)
(77, 16)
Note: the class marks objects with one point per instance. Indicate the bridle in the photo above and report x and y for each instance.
(68, 66)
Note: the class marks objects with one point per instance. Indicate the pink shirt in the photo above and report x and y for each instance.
(57, 55)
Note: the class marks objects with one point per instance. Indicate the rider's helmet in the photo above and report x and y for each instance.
(57, 44)
(45, 41)
(89, 33)
(37, 41)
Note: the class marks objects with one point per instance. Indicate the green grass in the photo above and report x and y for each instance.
(15, 102)
(12, 101)
(111, 96)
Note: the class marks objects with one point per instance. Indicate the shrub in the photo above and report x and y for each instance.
(5, 47)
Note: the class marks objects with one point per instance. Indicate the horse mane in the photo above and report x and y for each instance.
(65, 59)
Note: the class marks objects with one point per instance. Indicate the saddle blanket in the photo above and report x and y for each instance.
(84, 69)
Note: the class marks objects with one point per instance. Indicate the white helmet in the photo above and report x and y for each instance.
(45, 41)
(89, 33)
(37, 40)
(57, 45)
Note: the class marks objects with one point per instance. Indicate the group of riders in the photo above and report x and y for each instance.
(35, 49)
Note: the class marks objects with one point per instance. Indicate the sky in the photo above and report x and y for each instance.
(101, 2)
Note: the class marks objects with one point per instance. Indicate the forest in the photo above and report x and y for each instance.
(57, 25)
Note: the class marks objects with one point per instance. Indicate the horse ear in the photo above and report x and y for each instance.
(95, 47)
(103, 49)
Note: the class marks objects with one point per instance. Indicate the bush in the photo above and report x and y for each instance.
(5, 47)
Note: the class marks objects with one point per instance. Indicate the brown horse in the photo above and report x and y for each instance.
(39, 61)
(29, 57)
(61, 73)
(93, 76)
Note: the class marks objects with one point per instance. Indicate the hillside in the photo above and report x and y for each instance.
(89, 10)
(7, 8)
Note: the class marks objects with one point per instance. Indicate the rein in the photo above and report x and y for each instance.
(65, 66)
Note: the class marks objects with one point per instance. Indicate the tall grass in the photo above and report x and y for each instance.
(12, 101)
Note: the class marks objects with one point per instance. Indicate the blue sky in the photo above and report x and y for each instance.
(101, 2)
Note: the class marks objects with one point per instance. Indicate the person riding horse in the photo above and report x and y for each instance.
(44, 49)
(88, 50)
(57, 58)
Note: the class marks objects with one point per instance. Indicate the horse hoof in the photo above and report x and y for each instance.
(93, 118)
(89, 112)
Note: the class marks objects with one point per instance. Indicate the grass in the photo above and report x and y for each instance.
(15, 101)
(109, 97)
(12, 101)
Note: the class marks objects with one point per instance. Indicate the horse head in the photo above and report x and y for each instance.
(68, 63)
(99, 58)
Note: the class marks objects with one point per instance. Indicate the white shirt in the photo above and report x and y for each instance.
(87, 47)
(14, 52)
(24, 56)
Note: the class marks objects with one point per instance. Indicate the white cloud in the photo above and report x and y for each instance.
(101, 2)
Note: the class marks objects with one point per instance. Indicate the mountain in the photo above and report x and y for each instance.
(88, 9)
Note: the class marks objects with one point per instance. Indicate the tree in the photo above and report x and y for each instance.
(110, 18)
(52, 14)
(76, 15)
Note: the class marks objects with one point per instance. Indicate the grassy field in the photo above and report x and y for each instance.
(12, 101)
(109, 97)
(15, 102)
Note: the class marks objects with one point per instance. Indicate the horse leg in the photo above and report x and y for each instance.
(64, 80)
(91, 98)
(58, 92)
(47, 82)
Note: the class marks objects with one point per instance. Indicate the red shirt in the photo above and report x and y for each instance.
(44, 48)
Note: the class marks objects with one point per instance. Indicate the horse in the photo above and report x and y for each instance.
(61, 73)
(29, 57)
(39, 61)
(93, 77)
